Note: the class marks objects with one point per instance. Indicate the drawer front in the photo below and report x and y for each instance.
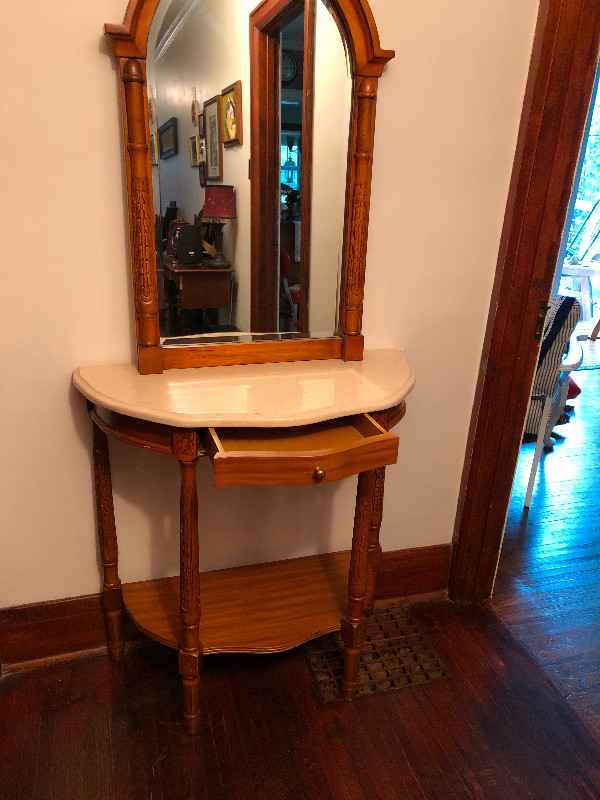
(300, 456)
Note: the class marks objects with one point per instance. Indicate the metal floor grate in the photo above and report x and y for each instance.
(394, 656)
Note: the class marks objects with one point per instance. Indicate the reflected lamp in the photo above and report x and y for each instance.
(219, 207)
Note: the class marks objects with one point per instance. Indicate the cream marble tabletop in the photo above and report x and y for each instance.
(254, 395)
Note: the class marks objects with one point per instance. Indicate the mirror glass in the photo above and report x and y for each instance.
(198, 78)
(331, 130)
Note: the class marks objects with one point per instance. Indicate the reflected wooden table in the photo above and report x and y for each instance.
(189, 288)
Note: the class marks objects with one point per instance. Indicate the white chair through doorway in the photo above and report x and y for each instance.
(560, 354)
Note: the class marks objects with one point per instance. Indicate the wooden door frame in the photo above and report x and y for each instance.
(558, 93)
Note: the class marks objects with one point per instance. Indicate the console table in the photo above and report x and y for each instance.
(295, 423)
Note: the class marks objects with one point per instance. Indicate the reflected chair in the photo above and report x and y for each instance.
(286, 304)
(560, 354)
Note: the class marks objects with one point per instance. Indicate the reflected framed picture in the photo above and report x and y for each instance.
(194, 150)
(202, 173)
(195, 111)
(231, 114)
(167, 138)
(214, 145)
(153, 149)
(201, 126)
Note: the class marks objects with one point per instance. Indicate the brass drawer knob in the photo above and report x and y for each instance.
(318, 474)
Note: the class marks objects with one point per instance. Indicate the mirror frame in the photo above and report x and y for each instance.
(368, 60)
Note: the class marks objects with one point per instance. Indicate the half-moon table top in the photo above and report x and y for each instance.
(252, 395)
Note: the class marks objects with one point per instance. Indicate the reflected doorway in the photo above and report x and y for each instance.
(293, 299)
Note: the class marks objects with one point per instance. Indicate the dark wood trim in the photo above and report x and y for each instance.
(416, 571)
(558, 94)
(63, 630)
(39, 634)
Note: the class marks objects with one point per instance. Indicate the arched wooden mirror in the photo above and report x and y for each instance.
(274, 268)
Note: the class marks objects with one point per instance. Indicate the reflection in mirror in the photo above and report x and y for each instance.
(195, 49)
(292, 300)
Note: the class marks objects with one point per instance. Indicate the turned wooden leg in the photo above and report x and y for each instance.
(190, 652)
(354, 624)
(374, 552)
(112, 595)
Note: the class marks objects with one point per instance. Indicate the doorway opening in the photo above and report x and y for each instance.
(557, 99)
(546, 588)
(578, 276)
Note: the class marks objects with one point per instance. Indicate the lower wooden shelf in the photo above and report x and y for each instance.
(264, 608)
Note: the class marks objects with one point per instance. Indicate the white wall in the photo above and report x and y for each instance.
(447, 119)
(448, 113)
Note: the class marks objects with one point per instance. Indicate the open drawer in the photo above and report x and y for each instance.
(303, 455)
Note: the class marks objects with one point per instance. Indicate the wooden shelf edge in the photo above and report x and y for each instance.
(279, 648)
(264, 608)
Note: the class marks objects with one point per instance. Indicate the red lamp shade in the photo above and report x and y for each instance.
(219, 202)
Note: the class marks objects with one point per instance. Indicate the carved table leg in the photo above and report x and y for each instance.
(374, 554)
(112, 594)
(190, 652)
(354, 624)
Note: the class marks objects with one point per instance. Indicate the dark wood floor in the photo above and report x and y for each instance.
(548, 584)
(498, 728)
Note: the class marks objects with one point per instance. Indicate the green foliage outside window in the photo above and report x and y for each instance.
(589, 183)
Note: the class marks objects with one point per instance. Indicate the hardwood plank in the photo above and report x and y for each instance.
(495, 729)
(19, 737)
(335, 771)
(486, 679)
(437, 765)
(549, 572)
(76, 709)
